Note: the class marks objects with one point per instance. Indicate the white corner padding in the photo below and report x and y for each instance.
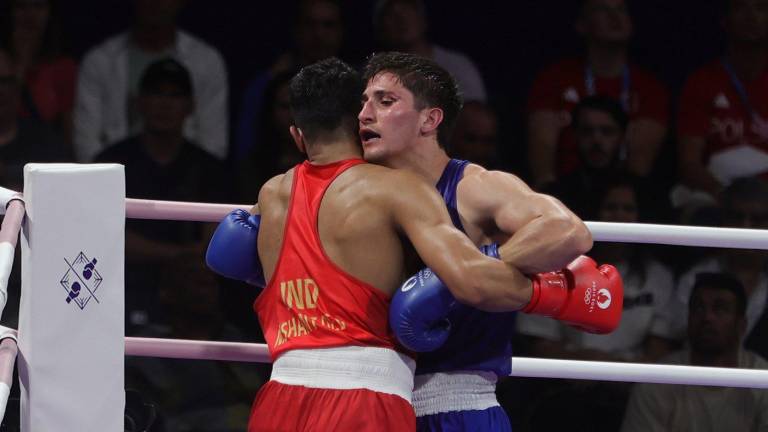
(71, 318)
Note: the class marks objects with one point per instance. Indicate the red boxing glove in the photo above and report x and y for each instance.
(582, 295)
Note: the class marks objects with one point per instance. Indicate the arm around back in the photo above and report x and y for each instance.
(537, 232)
(233, 250)
(473, 278)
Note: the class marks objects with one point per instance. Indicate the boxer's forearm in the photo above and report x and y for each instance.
(538, 233)
(546, 243)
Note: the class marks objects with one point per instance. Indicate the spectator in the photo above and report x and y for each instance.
(744, 205)
(318, 32)
(401, 25)
(606, 70)
(160, 163)
(195, 395)
(600, 128)
(22, 140)
(716, 325)
(31, 34)
(476, 135)
(722, 129)
(648, 284)
(276, 151)
(106, 107)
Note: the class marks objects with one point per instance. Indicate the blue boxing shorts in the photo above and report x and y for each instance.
(458, 401)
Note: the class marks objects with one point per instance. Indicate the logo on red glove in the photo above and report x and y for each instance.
(603, 298)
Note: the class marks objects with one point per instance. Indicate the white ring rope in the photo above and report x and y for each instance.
(679, 235)
(178, 210)
(638, 372)
(521, 366)
(8, 351)
(197, 349)
(9, 234)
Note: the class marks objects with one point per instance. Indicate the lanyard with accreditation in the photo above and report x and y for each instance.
(759, 124)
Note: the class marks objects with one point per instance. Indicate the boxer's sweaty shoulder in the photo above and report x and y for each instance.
(356, 226)
(274, 200)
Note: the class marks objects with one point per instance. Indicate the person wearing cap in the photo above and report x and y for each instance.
(106, 102)
(162, 164)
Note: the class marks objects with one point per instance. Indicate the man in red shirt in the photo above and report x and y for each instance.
(332, 250)
(723, 118)
(605, 70)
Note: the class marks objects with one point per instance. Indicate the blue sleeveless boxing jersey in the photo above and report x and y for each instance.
(478, 340)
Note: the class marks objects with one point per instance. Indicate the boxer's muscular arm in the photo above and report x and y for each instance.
(538, 232)
(473, 278)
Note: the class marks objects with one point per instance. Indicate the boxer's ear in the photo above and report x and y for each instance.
(298, 138)
(431, 118)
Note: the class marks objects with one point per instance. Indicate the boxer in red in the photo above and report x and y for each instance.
(331, 235)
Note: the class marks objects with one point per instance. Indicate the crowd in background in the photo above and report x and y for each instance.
(599, 131)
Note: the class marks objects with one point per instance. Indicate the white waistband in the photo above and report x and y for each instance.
(454, 391)
(344, 368)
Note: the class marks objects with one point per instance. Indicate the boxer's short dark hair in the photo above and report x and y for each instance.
(325, 96)
(431, 85)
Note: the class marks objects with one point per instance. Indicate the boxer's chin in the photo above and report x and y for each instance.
(373, 153)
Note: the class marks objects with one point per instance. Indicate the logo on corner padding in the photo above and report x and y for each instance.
(81, 280)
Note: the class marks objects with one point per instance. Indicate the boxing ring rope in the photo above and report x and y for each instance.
(197, 349)
(13, 206)
(679, 235)
(676, 235)
(521, 366)
(527, 367)
(178, 210)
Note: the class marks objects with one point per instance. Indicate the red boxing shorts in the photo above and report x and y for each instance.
(337, 389)
(282, 407)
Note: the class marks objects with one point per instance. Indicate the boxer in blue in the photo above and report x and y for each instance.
(409, 106)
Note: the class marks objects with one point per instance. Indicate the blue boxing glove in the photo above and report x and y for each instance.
(233, 251)
(418, 313)
(491, 250)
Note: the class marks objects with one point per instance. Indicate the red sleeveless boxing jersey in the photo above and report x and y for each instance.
(310, 302)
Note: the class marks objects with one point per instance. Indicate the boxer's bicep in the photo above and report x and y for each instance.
(501, 200)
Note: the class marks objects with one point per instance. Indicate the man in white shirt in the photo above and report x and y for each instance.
(716, 325)
(107, 90)
(744, 205)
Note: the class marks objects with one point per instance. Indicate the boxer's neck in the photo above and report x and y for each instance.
(323, 151)
(426, 159)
